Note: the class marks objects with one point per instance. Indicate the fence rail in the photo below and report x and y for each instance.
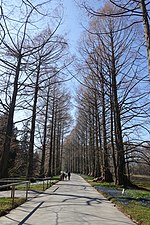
(13, 182)
(12, 188)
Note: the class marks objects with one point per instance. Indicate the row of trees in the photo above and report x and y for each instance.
(113, 100)
(33, 63)
(112, 124)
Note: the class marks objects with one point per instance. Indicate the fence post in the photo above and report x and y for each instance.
(43, 184)
(47, 182)
(50, 182)
(13, 195)
(27, 187)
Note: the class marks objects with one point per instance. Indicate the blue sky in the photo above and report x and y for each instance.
(72, 22)
(74, 17)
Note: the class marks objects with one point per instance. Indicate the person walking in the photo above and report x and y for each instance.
(69, 175)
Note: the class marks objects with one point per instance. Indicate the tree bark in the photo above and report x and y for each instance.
(42, 170)
(146, 31)
(106, 168)
(121, 171)
(6, 149)
(32, 132)
(49, 173)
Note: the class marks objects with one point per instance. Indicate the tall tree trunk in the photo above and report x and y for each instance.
(100, 145)
(146, 30)
(6, 149)
(32, 132)
(93, 143)
(44, 137)
(112, 139)
(121, 171)
(106, 167)
(87, 153)
(54, 145)
(58, 152)
(49, 173)
(61, 146)
(98, 170)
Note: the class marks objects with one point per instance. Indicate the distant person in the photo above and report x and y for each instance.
(62, 176)
(69, 175)
(65, 176)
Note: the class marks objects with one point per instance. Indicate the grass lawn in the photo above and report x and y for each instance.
(37, 186)
(141, 181)
(135, 202)
(6, 204)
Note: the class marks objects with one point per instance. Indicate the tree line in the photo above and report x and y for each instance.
(33, 63)
(112, 129)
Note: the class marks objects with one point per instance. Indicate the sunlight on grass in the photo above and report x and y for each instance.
(137, 211)
(86, 177)
(141, 181)
(6, 204)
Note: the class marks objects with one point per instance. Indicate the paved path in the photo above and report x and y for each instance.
(72, 202)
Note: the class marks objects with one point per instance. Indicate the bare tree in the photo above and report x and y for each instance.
(51, 51)
(58, 123)
(16, 49)
(136, 12)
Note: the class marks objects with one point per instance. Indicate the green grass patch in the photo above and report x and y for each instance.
(36, 186)
(138, 194)
(6, 204)
(103, 184)
(33, 186)
(55, 177)
(86, 177)
(141, 181)
(136, 210)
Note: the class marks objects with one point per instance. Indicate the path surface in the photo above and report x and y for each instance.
(72, 202)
